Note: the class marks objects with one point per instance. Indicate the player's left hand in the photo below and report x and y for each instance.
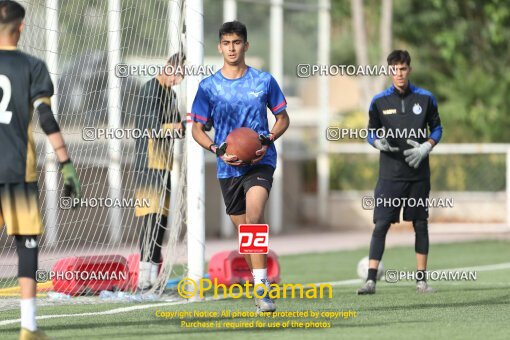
(417, 153)
(72, 185)
(221, 152)
(265, 141)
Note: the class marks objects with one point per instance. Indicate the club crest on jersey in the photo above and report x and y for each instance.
(417, 109)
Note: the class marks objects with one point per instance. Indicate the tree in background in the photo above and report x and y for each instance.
(460, 51)
(369, 86)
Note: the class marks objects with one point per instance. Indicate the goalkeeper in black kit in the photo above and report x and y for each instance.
(404, 171)
(158, 111)
(25, 87)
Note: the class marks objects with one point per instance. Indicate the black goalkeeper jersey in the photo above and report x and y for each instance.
(403, 116)
(157, 109)
(23, 79)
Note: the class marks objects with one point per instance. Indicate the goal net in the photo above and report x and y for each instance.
(102, 56)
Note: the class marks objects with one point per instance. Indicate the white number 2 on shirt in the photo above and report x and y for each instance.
(5, 84)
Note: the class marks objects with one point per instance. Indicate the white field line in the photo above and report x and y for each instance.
(490, 267)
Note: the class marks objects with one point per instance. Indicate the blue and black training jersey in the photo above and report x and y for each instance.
(234, 103)
(410, 113)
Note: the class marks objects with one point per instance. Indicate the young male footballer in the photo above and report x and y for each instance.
(238, 96)
(25, 86)
(157, 111)
(404, 171)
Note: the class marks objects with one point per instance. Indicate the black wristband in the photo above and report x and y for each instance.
(65, 162)
(210, 147)
(266, 139)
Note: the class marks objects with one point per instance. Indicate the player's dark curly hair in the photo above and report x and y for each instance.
(236, 27)
(11, 12)
(399, 57)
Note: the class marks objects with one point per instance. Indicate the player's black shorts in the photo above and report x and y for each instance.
(391, 195)
(234, 189)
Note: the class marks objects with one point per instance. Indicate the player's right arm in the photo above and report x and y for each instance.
(374, 124)
(199, 135)
(41, 89)
(200, 115)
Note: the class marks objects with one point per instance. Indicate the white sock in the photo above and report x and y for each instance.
(144, 275)
(28, 314)
(260, 276)
(154, 273)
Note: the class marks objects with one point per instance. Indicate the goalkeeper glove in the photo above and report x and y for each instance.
(417, 153)
(71, 182)
(265, 141)
(383, 145)
(219, 151)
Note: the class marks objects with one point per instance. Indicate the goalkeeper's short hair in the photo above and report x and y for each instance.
(11, 15)
(177, 59)
(399, 57)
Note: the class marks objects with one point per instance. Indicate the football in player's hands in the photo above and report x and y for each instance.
(244, 143)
